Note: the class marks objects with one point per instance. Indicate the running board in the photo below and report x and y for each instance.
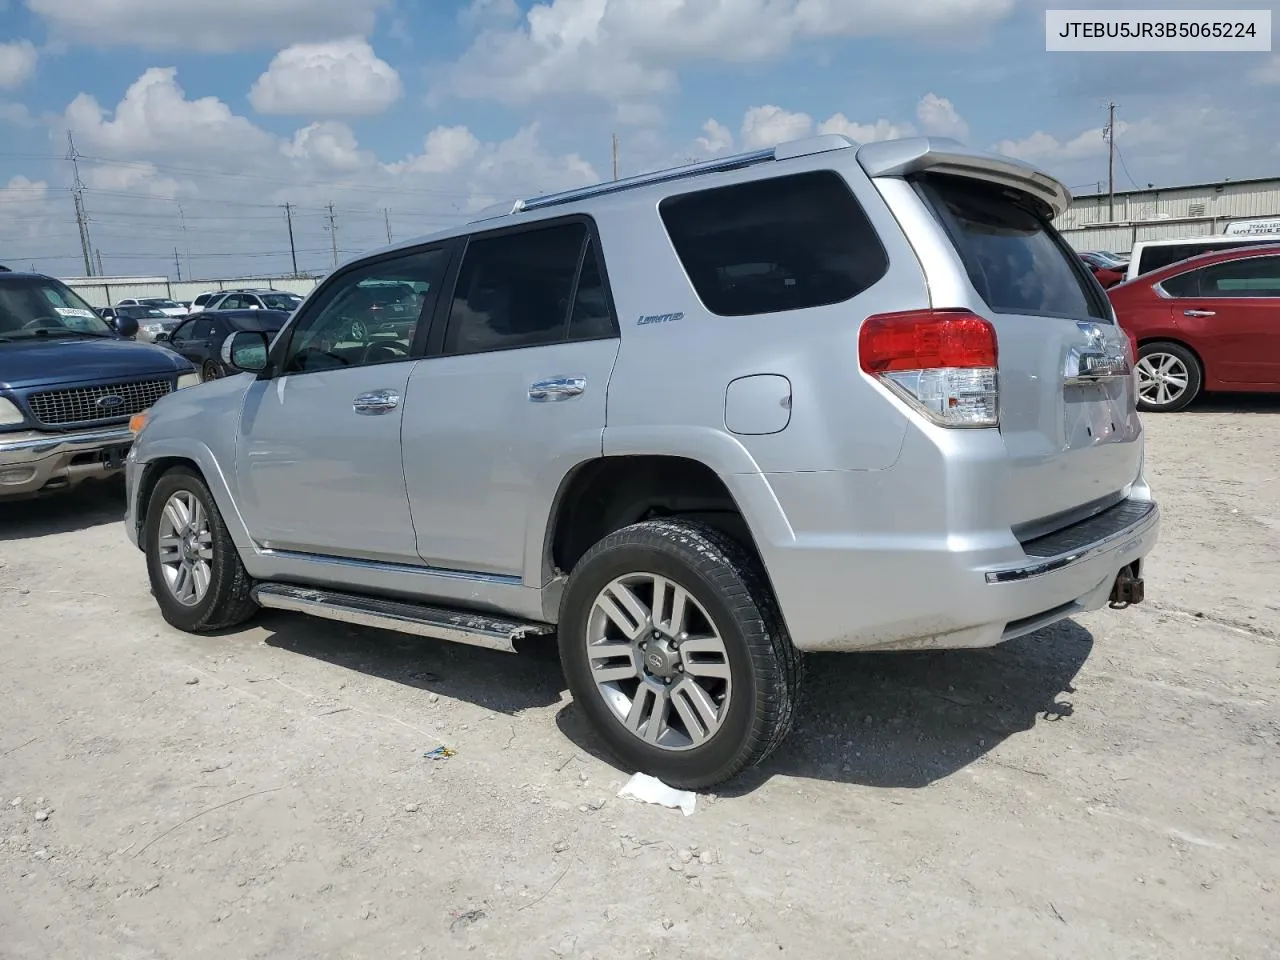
(460, 626)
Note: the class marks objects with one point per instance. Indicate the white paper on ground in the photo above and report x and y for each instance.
(649, 789)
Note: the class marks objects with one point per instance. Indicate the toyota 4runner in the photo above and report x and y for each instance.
(693, 424)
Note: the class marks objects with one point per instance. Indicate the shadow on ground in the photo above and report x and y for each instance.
(880, 720)
(501, 682)
(1235, 403)
(91, 504)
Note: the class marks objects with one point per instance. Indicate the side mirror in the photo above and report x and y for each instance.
(160, 337)
(245, 350)
(126, 327)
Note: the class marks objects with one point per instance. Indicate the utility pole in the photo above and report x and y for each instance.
(615, 156)
(177, 264)
(186, 242)
(1110, 134)
(98, 253)
(77, 195)
(333, 235)
(293, 251)
(386, 215)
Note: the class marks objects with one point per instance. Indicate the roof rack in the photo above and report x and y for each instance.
(784, 151)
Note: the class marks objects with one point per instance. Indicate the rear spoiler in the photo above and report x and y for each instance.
(900, 158)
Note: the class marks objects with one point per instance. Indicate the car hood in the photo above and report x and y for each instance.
(40, 362)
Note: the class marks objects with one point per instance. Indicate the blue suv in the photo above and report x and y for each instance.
(69, 384)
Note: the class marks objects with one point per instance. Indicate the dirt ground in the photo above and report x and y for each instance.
(1106, 788)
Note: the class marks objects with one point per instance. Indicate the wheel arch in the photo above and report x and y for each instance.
(161, 456)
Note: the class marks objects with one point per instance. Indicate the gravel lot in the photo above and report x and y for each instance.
(1106, 788)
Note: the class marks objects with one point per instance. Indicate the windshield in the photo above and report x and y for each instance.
(281, 301)
(42, 307)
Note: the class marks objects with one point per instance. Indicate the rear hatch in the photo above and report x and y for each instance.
(1068, 421)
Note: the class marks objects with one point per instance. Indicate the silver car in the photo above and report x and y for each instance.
(821, 397)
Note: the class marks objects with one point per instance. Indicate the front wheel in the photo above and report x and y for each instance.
(1169, 377)
(673, 646)
(209, 371)
(195, 570)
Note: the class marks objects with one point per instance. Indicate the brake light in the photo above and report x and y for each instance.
(941, 362)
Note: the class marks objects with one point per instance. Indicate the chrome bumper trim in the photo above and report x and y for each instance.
(1134, 531)
(28, 447)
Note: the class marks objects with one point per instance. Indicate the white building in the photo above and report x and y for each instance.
(1167, 213)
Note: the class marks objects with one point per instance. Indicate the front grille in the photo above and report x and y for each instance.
(87, 405)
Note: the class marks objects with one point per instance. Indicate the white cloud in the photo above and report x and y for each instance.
(156, 117)
(17, 63)
(341, 78)
(1267, 73)
(938, 117)
(1044, 148)
(769, 125)
(157, 151)
(444, 150)
(865, 132)
(211, 25)
(718, 138)
(613, 48)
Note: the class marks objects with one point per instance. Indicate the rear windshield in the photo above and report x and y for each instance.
(1015, 259)
(1156, 257)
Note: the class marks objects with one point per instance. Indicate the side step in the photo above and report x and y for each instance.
(460, 626)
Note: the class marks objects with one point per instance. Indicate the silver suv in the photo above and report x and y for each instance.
(693, 424)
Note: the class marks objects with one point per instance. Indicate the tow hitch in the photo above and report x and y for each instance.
(1128, 588)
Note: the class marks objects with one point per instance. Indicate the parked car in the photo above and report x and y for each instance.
(151, 322)
(1107, 273)
(255, 300)
(170, 308)
(69, 383)
(1149, 255)
(199, 339)
(199, 302)
(1210, 323)
(857, 398)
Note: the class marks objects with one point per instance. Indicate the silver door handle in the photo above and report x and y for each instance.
(557, 388)
(1199, 313)
(379, 401)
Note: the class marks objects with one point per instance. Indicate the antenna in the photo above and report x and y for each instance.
(77, 195)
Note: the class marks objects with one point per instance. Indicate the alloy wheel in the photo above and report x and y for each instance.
(1162, 379)
(658, 661)
(185, 542)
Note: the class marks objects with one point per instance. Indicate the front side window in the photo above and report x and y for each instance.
(1014, 257)
(516, 289)
(786, 243)
(344, 329)
(184, 332)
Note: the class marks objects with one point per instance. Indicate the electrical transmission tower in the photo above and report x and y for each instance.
(77, 194)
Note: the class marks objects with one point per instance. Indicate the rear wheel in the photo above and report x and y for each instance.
(673, 646)
(1169, 377)
(195, 570)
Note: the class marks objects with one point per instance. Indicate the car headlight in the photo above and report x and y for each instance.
(188, 380)
(9, 413)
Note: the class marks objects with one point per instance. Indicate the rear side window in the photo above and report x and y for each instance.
(787, 243)
(527, 289)
(1014, 257)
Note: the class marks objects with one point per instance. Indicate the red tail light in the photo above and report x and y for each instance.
(926, 340)
(941, 362)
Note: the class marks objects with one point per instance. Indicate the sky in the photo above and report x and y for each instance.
(196, 121)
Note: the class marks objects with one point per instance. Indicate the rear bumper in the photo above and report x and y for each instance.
(846, 591)
(32, 462)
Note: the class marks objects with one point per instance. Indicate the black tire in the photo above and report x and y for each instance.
(227, 601)
(1195, 376)
(210, 370)
(728, 581)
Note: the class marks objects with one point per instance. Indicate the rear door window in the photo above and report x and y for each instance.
(785, 243)
(1251, 277)
(1015, 259)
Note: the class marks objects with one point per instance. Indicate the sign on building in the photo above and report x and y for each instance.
(1253, 228)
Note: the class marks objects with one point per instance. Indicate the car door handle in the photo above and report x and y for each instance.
(557, 388)
(378, 401)
(1199, 313)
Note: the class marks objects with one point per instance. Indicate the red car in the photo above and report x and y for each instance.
(1108, 275)
(1210, 323)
